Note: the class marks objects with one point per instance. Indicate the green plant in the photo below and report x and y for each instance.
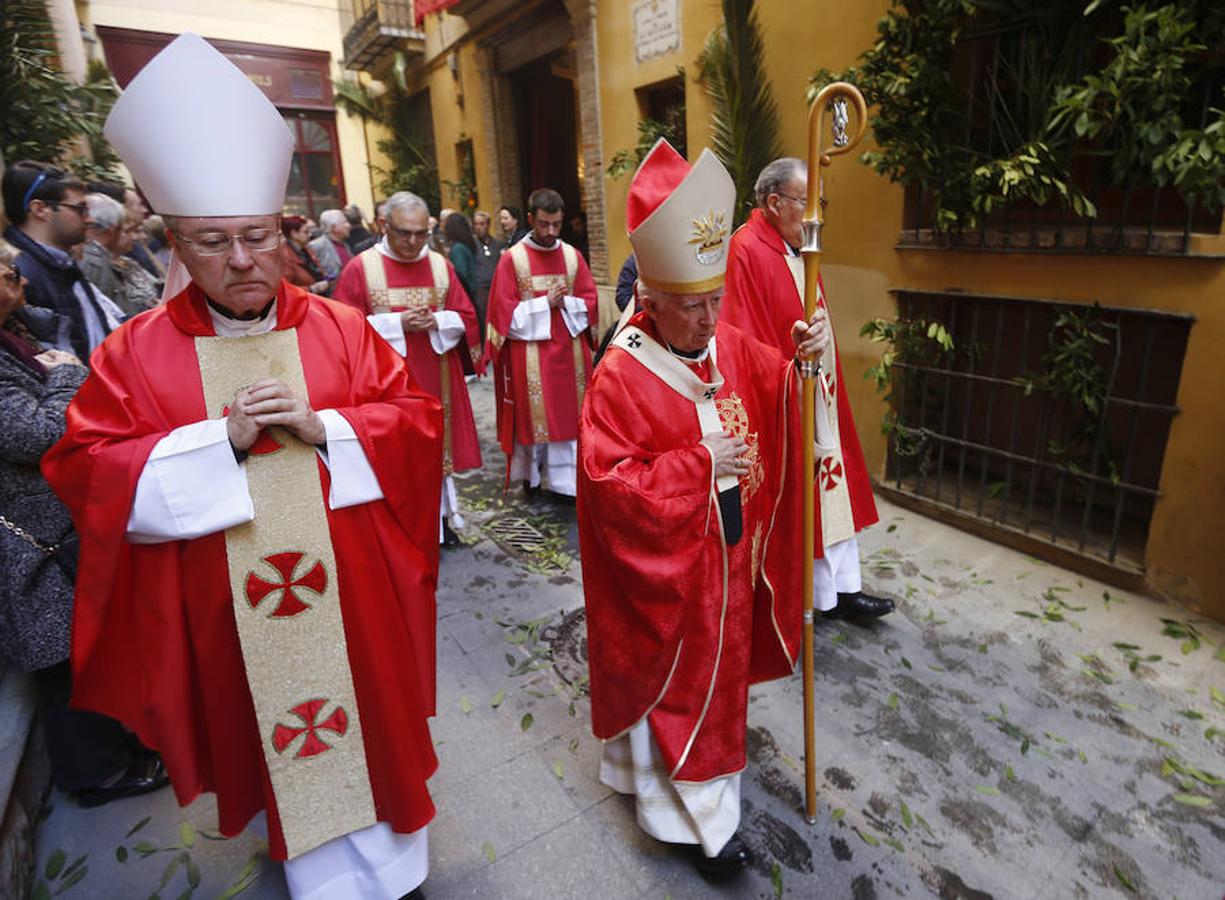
(627, 160)
(744, 120)
(43, 115)
(411, 168)
(909, 342)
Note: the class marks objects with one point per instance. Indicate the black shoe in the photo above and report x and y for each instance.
(141, 777)
(529, 491)
(859, 606)
(561, 499)
(415, 894)
(449, 537)
(732, 859)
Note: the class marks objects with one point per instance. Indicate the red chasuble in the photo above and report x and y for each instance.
(679, 623)
(413, 284)
(762, 300)
(154, 640)
(539, 384)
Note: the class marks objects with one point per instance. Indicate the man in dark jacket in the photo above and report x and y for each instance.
(48, 213)
(488, 252)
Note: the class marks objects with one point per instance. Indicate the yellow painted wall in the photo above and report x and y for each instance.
(1185, 557)
(302, 24)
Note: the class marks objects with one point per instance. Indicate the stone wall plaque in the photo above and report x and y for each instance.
(657, 28)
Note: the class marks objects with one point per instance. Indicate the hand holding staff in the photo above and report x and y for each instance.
(835, 98)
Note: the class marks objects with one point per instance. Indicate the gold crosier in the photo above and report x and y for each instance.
(835, 98)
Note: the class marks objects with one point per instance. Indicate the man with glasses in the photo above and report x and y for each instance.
(765, 291)
(48, 215)
(414, 299)
(254, 476)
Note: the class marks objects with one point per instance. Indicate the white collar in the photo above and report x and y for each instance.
(386, 250)
(224, 326)
(527, 239)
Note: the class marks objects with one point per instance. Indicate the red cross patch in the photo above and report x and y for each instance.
(831, 473)
(289, 604)
(313, 745)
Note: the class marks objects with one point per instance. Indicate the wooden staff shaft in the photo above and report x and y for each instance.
(818, 156)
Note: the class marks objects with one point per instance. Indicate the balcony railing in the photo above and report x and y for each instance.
(374, 28)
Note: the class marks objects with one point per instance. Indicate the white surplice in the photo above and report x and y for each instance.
(191, 486)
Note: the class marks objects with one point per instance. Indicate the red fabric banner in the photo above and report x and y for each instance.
(422, 7)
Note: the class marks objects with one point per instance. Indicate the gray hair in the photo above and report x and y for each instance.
(406, 201)
(8, 253)
(777, 174)
(330, 218)
(105, 212)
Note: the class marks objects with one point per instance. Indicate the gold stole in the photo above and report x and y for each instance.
(287, 608)
(384, 299)
(533, 286)
(837, 520)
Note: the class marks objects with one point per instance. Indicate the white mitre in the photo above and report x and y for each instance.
(199, 138)
(679, 220)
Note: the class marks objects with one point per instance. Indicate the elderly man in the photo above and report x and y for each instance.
(330, 247)
(542, 309)
(105, 262)
(253, 473)
(48, 215)
(765, 291)
(688, 526)
(488, 252)
(414, 299)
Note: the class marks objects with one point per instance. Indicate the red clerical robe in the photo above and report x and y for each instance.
(413, 284)
(679, 622)
(154, 640)
(539, 384)
(763, 300)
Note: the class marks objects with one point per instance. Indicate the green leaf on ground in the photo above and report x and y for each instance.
(573, 745)
(987, 789)
(895, 844)
(923, 824)
(465, 705)
(837, 814)
(72, 879)
(1212, 732)
(1026, 614)
(1197, 800)
(55, 863)
(510, 660)
(1220, 653)
(139, 825)
(1191, 714)
(776, 876)
(121, 854)
(1127, 707)
(187, 834)
(246, 878)
(1217, 696)
(487, 849)
(76, 866)
(558, 769)
(866, 837)
(498, 698)
(907, 818)
(144, 848)
(906, 663)
(1009, 774)
(838, 638)
(40, 892)
(1084, 759)
(891, 529)
(1123, 879)
(1024, 746)
(893, 701)
(526, 722)
(193, 874)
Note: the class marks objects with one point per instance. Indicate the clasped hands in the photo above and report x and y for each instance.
(419, 318)
(271, 402)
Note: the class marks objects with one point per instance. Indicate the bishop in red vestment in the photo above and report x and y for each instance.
(688, 524)
(252, 472)
(541, 316)
(765, 278)
(413, 298)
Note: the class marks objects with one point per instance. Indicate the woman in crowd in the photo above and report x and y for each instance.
(463, 250)
(301, 266)
(92, 756)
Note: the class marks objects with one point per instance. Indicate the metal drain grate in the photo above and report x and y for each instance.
(516, 534)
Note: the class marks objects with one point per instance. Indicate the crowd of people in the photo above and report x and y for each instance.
(165, 568)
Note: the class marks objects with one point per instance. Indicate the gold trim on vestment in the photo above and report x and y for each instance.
(685, 287)
(296, 659)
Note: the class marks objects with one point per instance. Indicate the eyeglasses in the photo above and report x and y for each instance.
(12, 276)
(258, 240)
(803, 201)
(405, 234)
(82, 208)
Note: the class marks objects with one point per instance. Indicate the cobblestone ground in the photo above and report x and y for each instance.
(1012, 730)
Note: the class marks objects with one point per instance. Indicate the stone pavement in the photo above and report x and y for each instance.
(1013, 730)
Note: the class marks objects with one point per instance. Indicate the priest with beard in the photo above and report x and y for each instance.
(689, 522)
(254, 477)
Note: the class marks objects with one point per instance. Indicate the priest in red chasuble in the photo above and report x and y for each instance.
(541, 315)
(689, 526)
(765, 291)
(414, 299)
(254, 477)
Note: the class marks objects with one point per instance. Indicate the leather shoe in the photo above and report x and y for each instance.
(144, 775)
(859, 606)
(529, 491)
(732, 859)
(449, 538)
(415, 894)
